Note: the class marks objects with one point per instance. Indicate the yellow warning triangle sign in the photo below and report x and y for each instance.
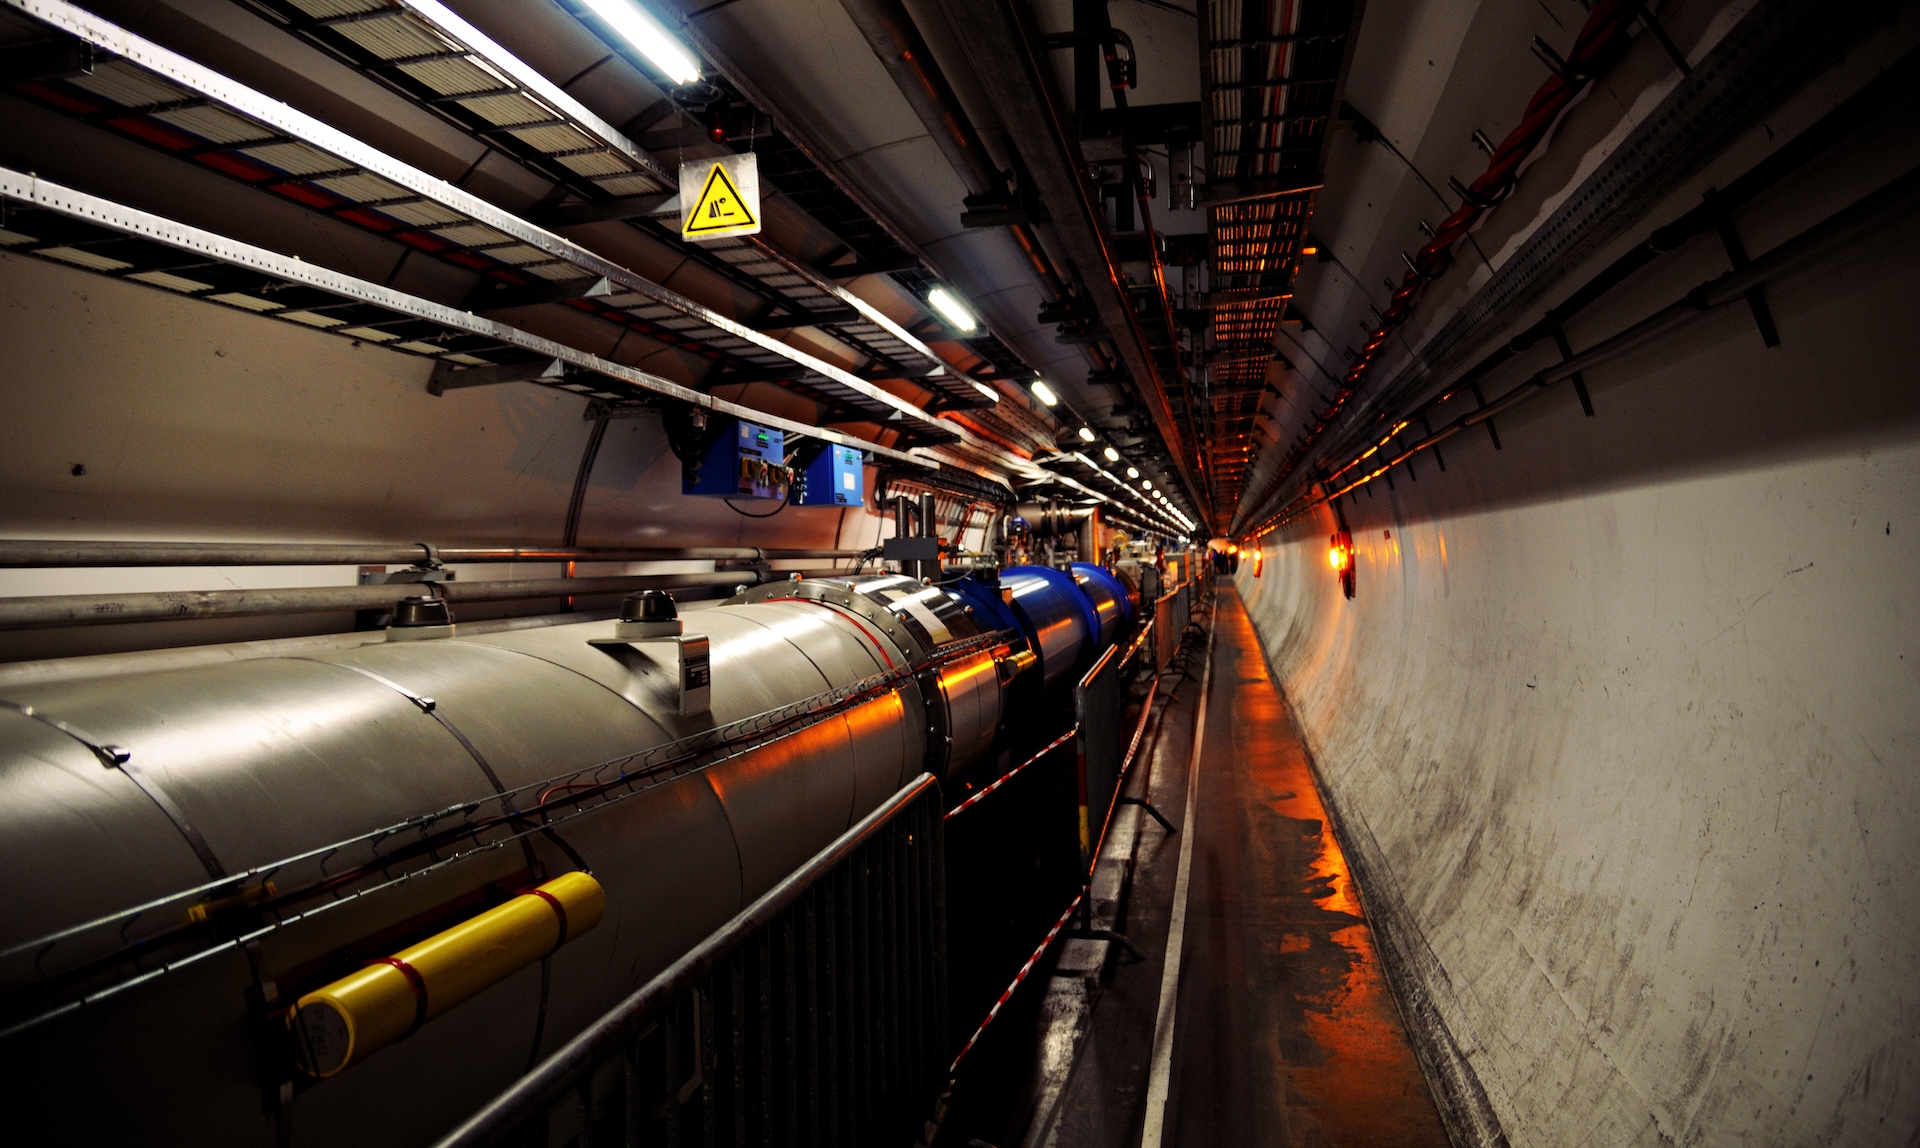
(720, 210)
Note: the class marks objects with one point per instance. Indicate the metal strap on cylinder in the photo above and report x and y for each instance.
(432, 709)
(120, 758)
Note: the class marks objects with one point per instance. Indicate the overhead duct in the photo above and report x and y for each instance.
(1017, 86)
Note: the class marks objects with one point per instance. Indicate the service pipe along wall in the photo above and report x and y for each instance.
(37, 553)
(356, 837)
(165, 605)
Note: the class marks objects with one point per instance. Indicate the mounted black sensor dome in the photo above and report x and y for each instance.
(649, 606)
(421, 611)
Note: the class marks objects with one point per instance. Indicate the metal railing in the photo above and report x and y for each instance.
(816, 1016)
(1166, 632)
(1105, 742)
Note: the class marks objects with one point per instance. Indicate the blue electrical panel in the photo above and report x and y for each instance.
(743, 461)
(836, 478)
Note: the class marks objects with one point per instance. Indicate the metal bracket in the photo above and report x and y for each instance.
(1491, 433)
(117, 757)
(447, 377)
(1757, 294)
(381, 576)
(1556, 63)
(111, 756)
(1579, 381)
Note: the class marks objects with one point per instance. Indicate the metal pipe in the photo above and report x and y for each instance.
(88, 552)
(170, 605)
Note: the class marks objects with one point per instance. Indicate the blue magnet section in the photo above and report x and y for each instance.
(988, 609)
(836, 478)
(1109, 597)
(1060, 623)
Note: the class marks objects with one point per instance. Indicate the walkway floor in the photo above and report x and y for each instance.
(1285, 1031)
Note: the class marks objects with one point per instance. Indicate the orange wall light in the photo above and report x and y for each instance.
(1340, 557)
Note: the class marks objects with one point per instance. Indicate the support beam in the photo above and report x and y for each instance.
(608, 210)
(447, 377)
(494, 295)
(58, 59)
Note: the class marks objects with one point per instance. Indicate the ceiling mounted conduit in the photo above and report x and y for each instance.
(1272, 76)
(1018, 89)
(1888, 206)
(486, 91)
(123, 242)
(1600, 43)
(172, 103)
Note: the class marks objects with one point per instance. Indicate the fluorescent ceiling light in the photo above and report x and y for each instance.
(1112, 455)
(648, 35)
(952, 309)
(1086, 434)
(1134, 472)
(985, 390)
(1044, 393)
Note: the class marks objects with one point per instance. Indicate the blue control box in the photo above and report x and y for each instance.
(743, 461)
(836, 478)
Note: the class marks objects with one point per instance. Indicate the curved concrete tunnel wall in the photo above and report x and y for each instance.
(1621, 727)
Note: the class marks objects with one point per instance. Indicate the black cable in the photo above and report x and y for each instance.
(768, 514)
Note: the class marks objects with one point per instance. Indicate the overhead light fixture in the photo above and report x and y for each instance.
(649, 37)
(1309, 251)
(1044, 393)
(1146, 484)
(986, 391)
(1133, 472)
(952, 309)
(1112, 454)
(1087, 435)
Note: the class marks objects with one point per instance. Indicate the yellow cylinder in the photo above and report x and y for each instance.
(357, 1015)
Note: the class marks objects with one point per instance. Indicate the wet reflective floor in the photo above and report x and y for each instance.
(1286, 1032)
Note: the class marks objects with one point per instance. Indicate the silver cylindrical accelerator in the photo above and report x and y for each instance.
(965, 693)
(314, 806)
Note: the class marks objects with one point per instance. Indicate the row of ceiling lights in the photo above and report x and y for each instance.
(1087, 434)
(956, 313)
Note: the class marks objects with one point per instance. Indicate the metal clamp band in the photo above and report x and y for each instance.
(117, 757)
